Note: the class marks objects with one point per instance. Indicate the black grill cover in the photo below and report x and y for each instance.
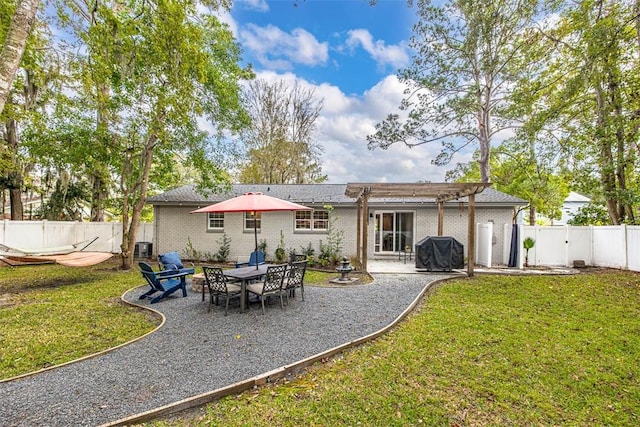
(439, 253)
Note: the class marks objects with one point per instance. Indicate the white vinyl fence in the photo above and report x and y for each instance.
(47, 234)
(606, 246)
(599, 246)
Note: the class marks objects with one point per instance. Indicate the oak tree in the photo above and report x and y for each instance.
(148, 74)
(460, 77)
(280, 143)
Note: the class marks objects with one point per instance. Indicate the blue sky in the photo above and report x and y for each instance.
(347, 43)
(349, 53)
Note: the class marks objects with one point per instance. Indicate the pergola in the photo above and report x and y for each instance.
(441, 192)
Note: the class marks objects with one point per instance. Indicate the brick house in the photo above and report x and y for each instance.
(393, 223)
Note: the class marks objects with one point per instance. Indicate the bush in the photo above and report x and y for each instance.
(191, 253)
(309, 254)
(590, 214)
(281, 254)
(224, 249)
(330, 252)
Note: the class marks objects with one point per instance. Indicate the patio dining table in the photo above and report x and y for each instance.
(245, 275)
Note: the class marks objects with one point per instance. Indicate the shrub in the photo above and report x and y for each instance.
(280, 252)
(224, 249)
(190, 252)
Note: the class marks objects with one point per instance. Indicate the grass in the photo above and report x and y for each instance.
(51, 314)
(491, 351)
(494, 350)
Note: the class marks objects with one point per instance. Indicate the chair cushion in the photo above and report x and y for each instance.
(233, 288)
(171, 261)
(255, 288)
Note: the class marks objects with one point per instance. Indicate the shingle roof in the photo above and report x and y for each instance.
(310, 194)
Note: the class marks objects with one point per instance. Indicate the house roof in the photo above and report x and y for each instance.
(575, 197)
(321, 194)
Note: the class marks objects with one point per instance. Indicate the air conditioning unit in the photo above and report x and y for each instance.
(143, 250)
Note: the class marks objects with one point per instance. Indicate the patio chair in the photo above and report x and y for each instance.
(256, 258)
(166, 282)
(272, 284)
(295, 278)
(219, 286)
(172, 261)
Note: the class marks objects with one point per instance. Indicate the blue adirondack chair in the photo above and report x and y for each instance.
(256, 258)
(166, 282)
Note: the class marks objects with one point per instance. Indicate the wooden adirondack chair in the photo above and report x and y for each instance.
(166, 282)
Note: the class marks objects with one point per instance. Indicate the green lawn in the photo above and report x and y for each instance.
(51, 314)
(493, 350)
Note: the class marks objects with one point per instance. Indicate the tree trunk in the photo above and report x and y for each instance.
(532, 215)
(14, 45)
(98, 196)
(99, 175)
(607, 167)
(484, 132)
(15, 196)
(14, 178)
(139, 193)
(623, 165)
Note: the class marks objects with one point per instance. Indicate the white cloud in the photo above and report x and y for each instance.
(279, 50)
(343, 126)
(394, 55)
(259, 5)
(346, 119)
(221, 14)
(342, 129)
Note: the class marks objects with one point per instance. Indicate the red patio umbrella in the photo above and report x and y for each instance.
(253, 202)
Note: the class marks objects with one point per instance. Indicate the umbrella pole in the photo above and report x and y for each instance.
(255, 235)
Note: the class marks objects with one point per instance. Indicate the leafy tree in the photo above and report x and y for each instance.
(14, 42)
(26, 99)
(67, 201)
(467, 57)
(330, 252)
(280, 144)
(519, 169)
(583, 99)
(149, 72)
(224, 248)
(590, 214)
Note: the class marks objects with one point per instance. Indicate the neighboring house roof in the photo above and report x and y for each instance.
(310, 194)
(575, 197)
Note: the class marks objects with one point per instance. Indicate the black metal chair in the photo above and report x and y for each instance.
(295, 278)
(219, 286)
(271, 285)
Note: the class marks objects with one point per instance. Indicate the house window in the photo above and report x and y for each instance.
(250, 217)
(216, 220)
(312, 220)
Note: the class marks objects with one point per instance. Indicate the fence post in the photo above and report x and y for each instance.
(626, 246)
(45, 234)
(566, 245)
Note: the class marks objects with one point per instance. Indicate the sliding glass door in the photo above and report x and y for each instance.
(393, 231)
